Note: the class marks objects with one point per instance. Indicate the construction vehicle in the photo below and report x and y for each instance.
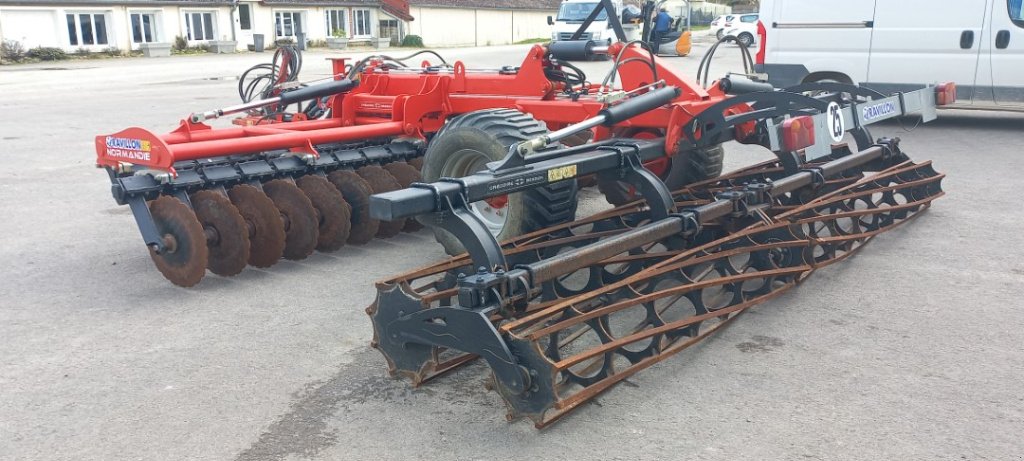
(564, 313)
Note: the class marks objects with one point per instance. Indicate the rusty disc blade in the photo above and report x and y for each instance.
(334, 213)
(183, 262)
(226, 231)
(301, 227)
(417, 163)
(266, 230)
(357, 193)
(405, 174)
(382, 181)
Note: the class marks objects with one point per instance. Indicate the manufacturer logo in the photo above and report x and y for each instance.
(373, 106)
(879, 110)
(128, 148)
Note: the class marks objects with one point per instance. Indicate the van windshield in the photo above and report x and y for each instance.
(579, 11)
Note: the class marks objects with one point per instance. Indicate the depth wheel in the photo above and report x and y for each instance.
(266, 230)
(301, 228)
(184, 259)
(357, 193)
(466, 144)
(227, 236)
(677, 172)
(333, 212)
(406, 174)
(382, 181)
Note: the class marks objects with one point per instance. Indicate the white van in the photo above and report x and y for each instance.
(571, 14)
(896, 45)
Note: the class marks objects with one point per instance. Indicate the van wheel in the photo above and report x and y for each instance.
(745, 39)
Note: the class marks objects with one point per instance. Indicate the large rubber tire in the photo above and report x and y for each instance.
(485, 136)
(696, 166)
(685, 169)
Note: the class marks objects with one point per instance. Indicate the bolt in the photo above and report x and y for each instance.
(481, 270)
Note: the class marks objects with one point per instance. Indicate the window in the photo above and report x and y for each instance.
(1016, 11)
(748, 18)
(361, 23)
(87, 28)
(199, 26)
(287, 23)
(336, 22)
(245, 16)
(143, 27)
(578, 12)
(387, 28)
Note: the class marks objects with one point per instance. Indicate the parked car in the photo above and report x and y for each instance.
(744, 28)
(718, 25)
(899, 45)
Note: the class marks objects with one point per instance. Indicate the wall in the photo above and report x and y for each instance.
(36, 26)
(477, 27)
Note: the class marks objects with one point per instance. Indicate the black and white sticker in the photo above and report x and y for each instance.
(836, 124)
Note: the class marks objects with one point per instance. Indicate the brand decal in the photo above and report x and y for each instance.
(128, 148)
(879, 110)
(516, 183)
(384, 106)
(562, 172)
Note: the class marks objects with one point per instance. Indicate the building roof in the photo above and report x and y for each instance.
(113, 2)
(492, 4)
(396, 8)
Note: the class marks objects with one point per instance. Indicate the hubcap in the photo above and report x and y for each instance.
(493, 211)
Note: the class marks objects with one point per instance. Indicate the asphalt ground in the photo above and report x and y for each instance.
(909, 350)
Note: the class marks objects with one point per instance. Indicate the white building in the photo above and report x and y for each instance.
(480, 22)
(97, 25)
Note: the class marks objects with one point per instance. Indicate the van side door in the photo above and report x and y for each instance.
(816, 40)
(1007, 52)
(916, 42)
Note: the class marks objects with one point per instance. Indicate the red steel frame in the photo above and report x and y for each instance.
(392, 104)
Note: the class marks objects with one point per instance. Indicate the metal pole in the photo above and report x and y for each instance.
(689, 12)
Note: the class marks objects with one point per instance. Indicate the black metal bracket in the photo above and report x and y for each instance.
(466, 330)
(817, 176)
(456, 218)
(632, 171)
(144, 219)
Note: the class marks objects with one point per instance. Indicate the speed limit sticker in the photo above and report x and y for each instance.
(836, 124)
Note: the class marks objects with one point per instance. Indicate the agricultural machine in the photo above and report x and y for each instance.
(560, 309)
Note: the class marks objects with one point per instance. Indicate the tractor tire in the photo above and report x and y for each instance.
(466, 144)
(686, 168)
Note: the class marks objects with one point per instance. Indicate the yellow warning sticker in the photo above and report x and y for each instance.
(562, 172)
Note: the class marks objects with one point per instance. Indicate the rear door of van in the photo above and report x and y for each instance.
(1007, 53)
(919, 42)
(813, 40)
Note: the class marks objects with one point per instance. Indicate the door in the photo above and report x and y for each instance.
(815, 40)
(244, 21)
(916, 42)
(1007, 52)
(145, 27)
